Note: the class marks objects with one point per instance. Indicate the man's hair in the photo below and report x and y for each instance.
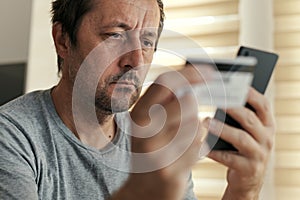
(71, 12)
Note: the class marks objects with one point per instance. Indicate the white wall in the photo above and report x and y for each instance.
(42, 68)
(257, 24)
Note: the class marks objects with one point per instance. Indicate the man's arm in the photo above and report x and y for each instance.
(16, 174)
(247, 168)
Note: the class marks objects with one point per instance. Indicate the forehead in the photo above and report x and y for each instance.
(136, 13)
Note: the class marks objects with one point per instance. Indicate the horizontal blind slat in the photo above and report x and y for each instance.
(207, 40)
(202, 29)
(287, 124)
(288, 159)
(197, 42)
(288, 56)
(287, 177)
(287, 73)
(287, 107)
(284, 7)
(287, 142)
(287, 193)
(288, 90)
(284, 24)
(211, 9)
(180, 3)
(286, 40)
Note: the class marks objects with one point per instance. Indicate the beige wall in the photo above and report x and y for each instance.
(14, 31)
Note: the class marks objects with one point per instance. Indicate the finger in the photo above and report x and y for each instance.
(248, 120)
(261, 107)
(231, 160)
(241, 140)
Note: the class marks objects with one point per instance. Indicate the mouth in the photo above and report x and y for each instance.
(124, 84)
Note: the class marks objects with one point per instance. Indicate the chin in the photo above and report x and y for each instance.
(116, 104)
(122, 104)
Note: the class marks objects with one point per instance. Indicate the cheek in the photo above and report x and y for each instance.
(72, 66)
(142, 73)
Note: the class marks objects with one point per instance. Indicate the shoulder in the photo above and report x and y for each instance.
(22, 104)
(24, 108)
(24, 117)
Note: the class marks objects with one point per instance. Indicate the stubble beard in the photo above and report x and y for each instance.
(120, 99)
(107, 104)
(115, 103)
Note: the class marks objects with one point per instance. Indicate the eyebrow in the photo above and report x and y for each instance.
(150, 33)
(118, 24)
(127, 27)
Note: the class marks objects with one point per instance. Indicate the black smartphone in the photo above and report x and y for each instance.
(263, 70)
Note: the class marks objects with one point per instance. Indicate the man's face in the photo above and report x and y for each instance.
(125, 33)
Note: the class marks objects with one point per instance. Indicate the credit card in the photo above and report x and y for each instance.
(228, 83)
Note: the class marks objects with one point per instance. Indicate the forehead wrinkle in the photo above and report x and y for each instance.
(141, 7)
(138, 19)
(150, 31)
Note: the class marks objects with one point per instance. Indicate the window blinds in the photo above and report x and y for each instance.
(287, 104)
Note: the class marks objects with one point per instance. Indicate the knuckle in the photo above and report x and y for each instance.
(256, 168)
(243, 139)
(227, 158)
(270, 143)
(250, 118)
(266, 105)
(261, 155)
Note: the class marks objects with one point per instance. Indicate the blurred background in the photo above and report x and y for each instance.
(28, 62)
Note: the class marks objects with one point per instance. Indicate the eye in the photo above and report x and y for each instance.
(115, 35)
(148, 43)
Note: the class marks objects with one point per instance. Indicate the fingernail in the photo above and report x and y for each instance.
(213, 123)
(206, 122)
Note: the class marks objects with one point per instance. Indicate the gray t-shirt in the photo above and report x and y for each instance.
(40, 158)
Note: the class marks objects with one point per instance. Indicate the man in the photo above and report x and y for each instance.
(68, 143)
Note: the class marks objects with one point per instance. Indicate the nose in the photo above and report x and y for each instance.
(132, 59)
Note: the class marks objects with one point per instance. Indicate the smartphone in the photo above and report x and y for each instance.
(263, 70)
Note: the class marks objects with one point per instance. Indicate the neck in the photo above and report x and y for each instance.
(95, 131)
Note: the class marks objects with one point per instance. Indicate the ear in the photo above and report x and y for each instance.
(61, 40)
